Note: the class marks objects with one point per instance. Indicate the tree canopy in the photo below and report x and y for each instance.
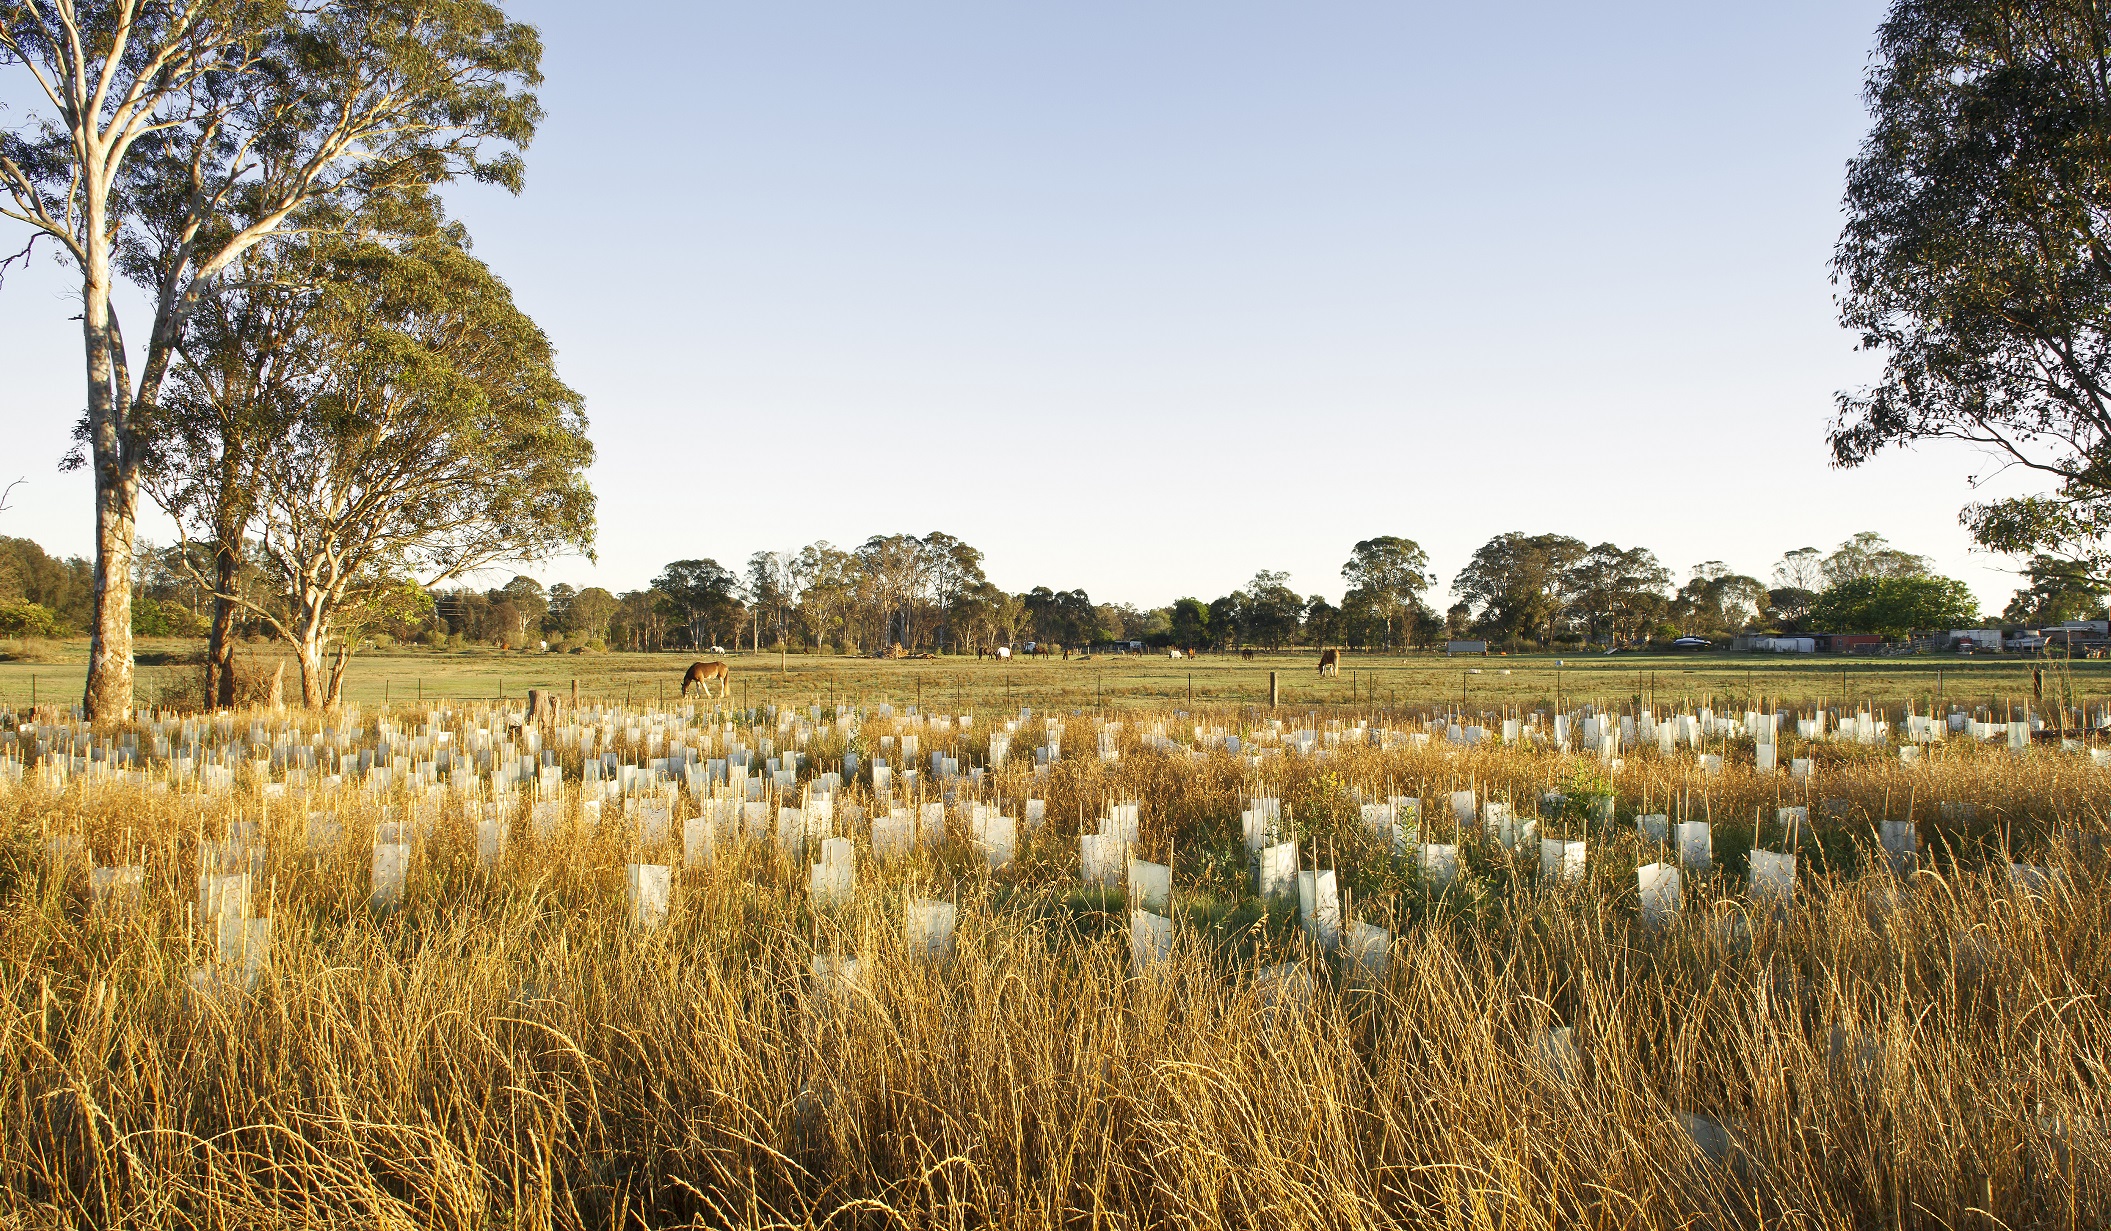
(1894, 606)
(1976, 257)
(164, 140)
(426, 436)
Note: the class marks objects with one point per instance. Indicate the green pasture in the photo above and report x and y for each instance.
(53, 673)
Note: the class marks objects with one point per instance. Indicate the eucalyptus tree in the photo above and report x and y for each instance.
(226, 401)
(1868, 554)
(826, 590)
(1976, 258)
(1387, 577)
(1618, 593)
(706, 595)
(1523, 585)
(425, 437)
(165, 138)
(897, 572)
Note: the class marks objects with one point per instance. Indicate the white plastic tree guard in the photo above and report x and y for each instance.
(1366, 951)
(927, 928)
(1319, 907)
(834, 880)
(893, 834)
(1102, 859)
(837, 979)
(117, 890)
(1150, 886)
(1660, 893)
(699, 841)
(1150, 940)
(322, 835)
(996, 836)
(1440, 865)
(1503, 827)
(1556, 1049)
(1901, 843)
(1276, 871)
(1773, 878)
(650, 888)
(654, 818)
(1559, 860)
(1695, 844)
(390, 871)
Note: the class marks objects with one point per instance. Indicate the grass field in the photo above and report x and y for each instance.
(511, 1043)
(1417, 681)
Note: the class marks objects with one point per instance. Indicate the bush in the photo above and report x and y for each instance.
(148, 620)
(19, 620)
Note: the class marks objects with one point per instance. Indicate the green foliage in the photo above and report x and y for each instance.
(28, 574)
(20, 619)
(1520, 583)
(1868, 554)
(148, 619)
(1586, 793)
(1894, 606)
(1065, 617)
(1387, 577)
(1616, 593)
(2058, 591)
(1973, 257)
(1716, 600)
(706, 596)
(1270, 612)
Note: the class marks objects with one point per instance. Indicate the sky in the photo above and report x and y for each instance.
(1142, 299)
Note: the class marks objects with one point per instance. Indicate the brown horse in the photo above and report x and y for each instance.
(703, 673)
(1330, 662)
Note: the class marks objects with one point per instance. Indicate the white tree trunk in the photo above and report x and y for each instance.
(108, 694)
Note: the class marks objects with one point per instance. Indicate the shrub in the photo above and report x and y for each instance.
(28, 620)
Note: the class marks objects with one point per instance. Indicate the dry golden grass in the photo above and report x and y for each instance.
(508, 1050)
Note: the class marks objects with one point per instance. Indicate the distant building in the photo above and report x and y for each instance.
(1772, 643)
(1848, 643)
(1465, 647)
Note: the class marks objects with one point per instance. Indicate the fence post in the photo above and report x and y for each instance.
(1271, 690)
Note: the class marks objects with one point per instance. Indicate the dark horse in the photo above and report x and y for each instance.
(703, 673)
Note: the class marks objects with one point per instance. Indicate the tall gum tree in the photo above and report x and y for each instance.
(172, 136)
(1976, 258)
(427, 437)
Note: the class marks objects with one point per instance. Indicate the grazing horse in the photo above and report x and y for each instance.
(1330, 662)
(1246, 654)
(703, 673)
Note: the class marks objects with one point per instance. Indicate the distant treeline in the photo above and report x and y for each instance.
(929, 593)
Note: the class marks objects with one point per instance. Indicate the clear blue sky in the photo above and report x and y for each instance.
(1143, 298)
